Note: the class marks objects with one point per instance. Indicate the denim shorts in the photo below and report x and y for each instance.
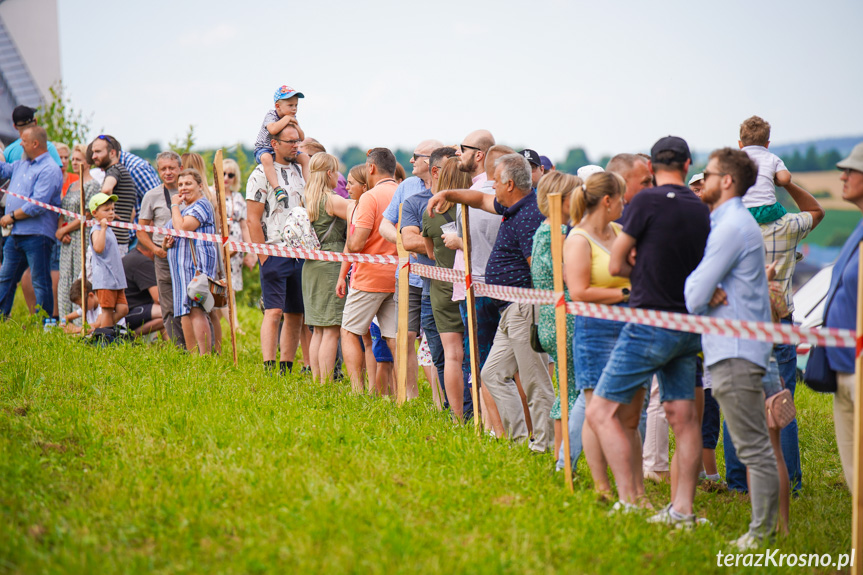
(260, 151)
(592, 342)
(642, 351)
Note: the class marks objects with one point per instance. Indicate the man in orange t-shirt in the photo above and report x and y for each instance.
(372, 285)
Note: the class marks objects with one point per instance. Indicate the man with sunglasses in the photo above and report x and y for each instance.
(281, 278)
(24, 117)
(156, 211)
(418, 183)
(471, 153)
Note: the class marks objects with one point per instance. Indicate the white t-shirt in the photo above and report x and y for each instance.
(290, 177)
(763, 193)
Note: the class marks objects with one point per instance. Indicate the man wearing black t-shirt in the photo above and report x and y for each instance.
(118, 181)
(142, 292)
(664, 234)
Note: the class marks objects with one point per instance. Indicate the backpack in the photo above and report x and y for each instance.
(297, 230)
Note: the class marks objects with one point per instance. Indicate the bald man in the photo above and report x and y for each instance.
(471, 153)
(419, 182)
(634, 170)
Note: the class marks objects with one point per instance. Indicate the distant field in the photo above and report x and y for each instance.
(835, 228)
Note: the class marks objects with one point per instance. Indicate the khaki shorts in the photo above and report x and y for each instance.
(110, 298)
(362, 306)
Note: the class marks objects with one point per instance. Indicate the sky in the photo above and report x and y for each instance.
(611, 76)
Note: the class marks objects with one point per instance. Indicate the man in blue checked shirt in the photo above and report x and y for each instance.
(35, 176)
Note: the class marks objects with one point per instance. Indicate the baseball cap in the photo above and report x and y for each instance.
(100, 199)
(23, 115)
(199, 292)
(854, 161)
(671, 144)
(585, 172)
(532, 157)
(546, 163)
(285, 92)
(696, 178)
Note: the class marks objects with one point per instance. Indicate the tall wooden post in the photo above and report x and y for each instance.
(564, 344)
(83, 230)
(224, 231)
(470, 301)
(857, 487)
(402, 350)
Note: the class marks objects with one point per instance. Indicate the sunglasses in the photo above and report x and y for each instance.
(230, 175)
(463, 146)
(418, 156)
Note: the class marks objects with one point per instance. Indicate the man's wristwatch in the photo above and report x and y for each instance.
(625, 292)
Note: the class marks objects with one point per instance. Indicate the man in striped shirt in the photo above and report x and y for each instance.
(118, 181)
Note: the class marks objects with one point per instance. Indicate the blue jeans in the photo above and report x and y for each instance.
(735, 471)
(19, 253)
(576, 422)
(433, 339)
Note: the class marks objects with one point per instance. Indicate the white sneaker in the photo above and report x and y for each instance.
(623, 508)
(668, 516)
(746, 542)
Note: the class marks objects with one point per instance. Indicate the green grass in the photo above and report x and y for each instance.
(139, 459)
(834, 229)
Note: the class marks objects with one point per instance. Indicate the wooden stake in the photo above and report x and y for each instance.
(857, 488)
(470, 301)
(222, 218)
(402, 350)
(83, 230)
(563, 342)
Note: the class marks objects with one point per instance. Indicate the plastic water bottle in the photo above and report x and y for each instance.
(49, 323)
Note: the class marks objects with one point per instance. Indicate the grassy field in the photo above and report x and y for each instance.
(140, 459)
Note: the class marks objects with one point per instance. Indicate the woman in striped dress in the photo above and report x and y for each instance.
(196, 216)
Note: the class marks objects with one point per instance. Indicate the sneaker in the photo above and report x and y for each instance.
(668, 516)
(658, 476)
(746, 542)
(623, 508)
(281, 196)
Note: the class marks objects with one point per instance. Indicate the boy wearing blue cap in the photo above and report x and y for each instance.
(109, 277)
(284, 114)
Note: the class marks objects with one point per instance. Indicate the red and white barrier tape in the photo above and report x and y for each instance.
(760, 331)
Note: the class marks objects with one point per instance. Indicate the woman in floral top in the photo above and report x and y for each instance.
(235, 209)
(542, 271)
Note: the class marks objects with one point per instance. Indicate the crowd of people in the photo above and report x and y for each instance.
(638, 234)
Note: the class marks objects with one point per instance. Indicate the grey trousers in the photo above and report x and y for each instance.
(738, 389)
(511, 353)
(166, 301)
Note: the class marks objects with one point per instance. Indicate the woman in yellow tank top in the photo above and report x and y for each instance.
(595, 206)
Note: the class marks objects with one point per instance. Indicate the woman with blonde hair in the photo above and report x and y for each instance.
(446, 312)
(69, 229)
(235, 210)
(328, 213)
(357, 186)
(542, 272)
(593, 208)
